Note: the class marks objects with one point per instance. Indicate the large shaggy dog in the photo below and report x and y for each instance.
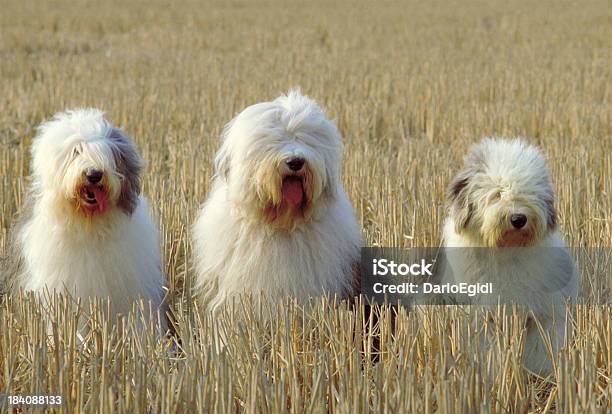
(85, 228)
(502, 229)
(277, 221)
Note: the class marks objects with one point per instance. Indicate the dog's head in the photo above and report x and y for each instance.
(280, 159)
(83, 162)
(503, 196)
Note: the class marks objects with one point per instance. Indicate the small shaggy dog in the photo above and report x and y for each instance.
(277, 221)
(85, 227)
(502, 229)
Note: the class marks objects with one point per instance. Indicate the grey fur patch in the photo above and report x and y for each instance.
(551, 214)
(458, 203)
(128, 164)
(457, 193)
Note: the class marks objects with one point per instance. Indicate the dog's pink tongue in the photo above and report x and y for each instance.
(100, 199)
(292, 191)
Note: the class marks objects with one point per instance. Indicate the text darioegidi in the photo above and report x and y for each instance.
(470, 289)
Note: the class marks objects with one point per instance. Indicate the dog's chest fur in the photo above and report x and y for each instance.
(242, 256)
(117, 258)
(539, 276)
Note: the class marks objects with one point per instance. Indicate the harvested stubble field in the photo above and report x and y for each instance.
(411, 86)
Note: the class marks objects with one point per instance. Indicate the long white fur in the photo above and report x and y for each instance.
(114, 255)
(509, 176)
(236, 250)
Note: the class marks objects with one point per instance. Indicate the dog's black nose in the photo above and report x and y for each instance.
(295, 164)
(93, 176)
(518, 220)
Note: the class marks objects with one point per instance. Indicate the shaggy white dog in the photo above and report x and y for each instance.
(85, 227)
(502, 229)
(278, 220)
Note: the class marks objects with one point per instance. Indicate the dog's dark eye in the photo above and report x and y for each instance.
(76, 152)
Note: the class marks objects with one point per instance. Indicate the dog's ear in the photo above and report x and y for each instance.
(128, 164)
(551, 214)
(457, 199)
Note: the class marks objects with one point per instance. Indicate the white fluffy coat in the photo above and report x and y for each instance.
(112, 254)
(238, 248)
(530, 266)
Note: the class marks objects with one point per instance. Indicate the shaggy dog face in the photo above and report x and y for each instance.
(503, 196)
(84, 164)
(280, 160)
